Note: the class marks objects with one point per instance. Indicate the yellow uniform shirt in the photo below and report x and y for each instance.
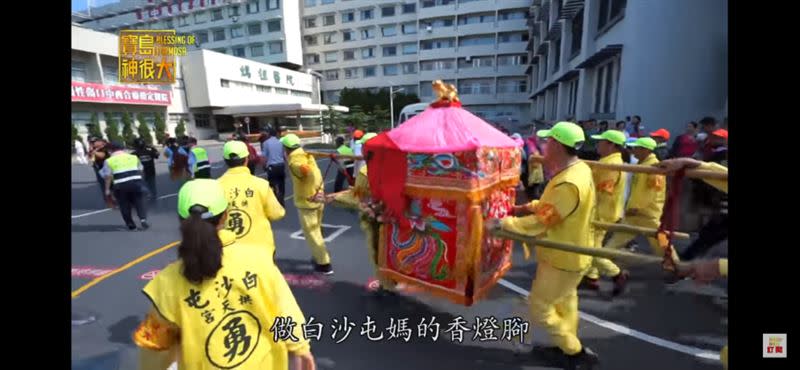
(306, 178)
(228, 321)
(563, 214)
(610, 188)
(648, 192)
(721, 185)
(252, 206)
(358, 193)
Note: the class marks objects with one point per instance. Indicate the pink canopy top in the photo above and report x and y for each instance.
(447, 130)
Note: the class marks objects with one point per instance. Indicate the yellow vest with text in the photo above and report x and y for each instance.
(252, 206)
(610, 189)
(648, 192)
(304, 185)
(226, 322)
(576, 227)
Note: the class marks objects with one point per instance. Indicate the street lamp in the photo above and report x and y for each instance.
(392, 91)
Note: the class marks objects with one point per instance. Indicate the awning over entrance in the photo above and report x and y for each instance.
(278, 110)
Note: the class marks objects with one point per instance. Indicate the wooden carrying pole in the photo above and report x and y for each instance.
(631, 229)
(337, 155)
(624, 257)
(700, 174)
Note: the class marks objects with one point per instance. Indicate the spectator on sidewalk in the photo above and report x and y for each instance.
(708, 125)
(275, 164)
(685, 145)
(636, 128)
(80, 152)
(603, 127)
(661, 136)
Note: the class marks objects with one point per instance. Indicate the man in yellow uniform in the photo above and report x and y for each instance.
(252, 202)
(307, 182)
(610, 188)
(648, 194)
(705, 271)
(563, 214)
(219, 305)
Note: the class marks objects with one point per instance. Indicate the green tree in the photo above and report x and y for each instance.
(160, 128)
(332, 122)
(370, 101)
(112, 128)
(94, 127)
(75, 135)
(180, 129)
(127, 129)
(144, 129)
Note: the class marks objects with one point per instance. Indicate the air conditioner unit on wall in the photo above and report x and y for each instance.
(429, 28)
(468, 59)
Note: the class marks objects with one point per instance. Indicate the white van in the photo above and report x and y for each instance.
(411, 110)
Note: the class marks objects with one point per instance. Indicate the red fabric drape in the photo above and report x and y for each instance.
(387, 167)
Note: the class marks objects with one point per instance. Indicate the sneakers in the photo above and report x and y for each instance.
(620, 281)
(325, 269)
(132, 227)
(551, 355)
(145, 225)
(589, 284)
(586, 359)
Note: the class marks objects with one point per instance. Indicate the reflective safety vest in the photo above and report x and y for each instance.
(200, 159)
(124, 168)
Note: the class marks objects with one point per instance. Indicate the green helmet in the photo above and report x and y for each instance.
(202, 192)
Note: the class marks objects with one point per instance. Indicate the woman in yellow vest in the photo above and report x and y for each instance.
(610, 188)
(219, 305)
(563, 214)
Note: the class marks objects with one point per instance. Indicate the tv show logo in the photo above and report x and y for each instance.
(774, 346)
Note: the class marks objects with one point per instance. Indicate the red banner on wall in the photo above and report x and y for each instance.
(97, 93)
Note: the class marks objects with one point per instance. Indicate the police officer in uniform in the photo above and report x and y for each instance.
(147, 155)
(199, 164)
(124, 170)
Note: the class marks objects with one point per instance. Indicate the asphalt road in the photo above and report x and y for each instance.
(649, 327)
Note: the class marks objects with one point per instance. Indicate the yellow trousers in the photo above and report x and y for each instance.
(601, 265)
(553, 304)
(372, 247)
(620, 239)
(723, 356)
(311, 222)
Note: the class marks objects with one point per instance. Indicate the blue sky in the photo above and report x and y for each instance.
(80, 5)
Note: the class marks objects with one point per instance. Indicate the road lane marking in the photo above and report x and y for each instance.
(299, 235)
(697, 352)
(124, 267)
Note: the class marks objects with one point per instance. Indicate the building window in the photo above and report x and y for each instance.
(387, 11)
(409, 8)
(332, 75)
(276, 47)
(280, 91)
(312, 59)
(310, 3)
(388, 31)
(556, 55)
(202, 120)
(233, 11)
(311, 22)
(512, 85)
(238, 52)
(329, 20)
(257, 50)
(110, 75)
(254, 29)
(410, 48)
(436, 65)
(554, 103)
(509, 15)
(219, 35)
(437, 44)
(439, 23)
(409, 28)
(366, 14)
(475, 19)
(183, 21)
(216, 15)
(476, 40)
(544, 59)
(252, 7)
(273, 4)
(200, 18)
(329, 38)
(367, 53)
(513, 37)
(310, 39)
(605, 88)
(78, 71)
(512, 60)
(390, 70)
(475, 62)
(348, 35)
(350, 73)
(409, 68)
(476, 86)
(224, 83)
(331, 56)
(332, 96)
(432, 3)
(610, 11)
(324, 2)
(573, 97)
(349, 55)
(577, 34)
(202, 36)
(221, 50)
(369, 71)
(348, 17)
(390, 51)
(237, 32)
(274, 26)
(367, 33)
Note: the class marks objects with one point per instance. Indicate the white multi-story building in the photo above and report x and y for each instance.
(478, 45)
(665, 61)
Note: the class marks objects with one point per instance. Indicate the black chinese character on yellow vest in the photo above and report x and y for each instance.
(233, 340)
(245, 299)
(235, 223)
(236, 338)
(249, 280)
(226, 306)
(193, 300)
(208, 316)
(248, 193)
